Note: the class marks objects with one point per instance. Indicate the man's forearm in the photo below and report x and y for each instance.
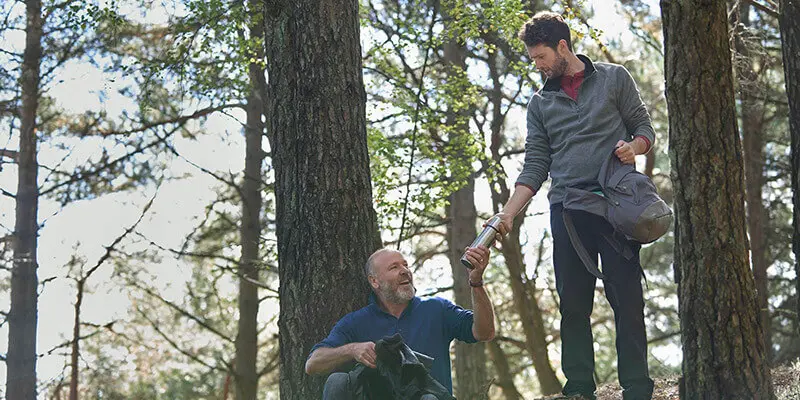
(325, 359)
(483, 315)
(522, 194)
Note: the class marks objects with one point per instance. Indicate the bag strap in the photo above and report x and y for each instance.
(591, 265)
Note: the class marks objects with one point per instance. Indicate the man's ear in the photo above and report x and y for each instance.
(373, 281)
(563, 49)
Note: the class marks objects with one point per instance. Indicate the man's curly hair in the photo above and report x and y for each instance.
(546, 28)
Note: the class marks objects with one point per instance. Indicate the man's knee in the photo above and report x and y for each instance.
(337, 387)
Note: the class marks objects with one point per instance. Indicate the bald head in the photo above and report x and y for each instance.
(389, 276)
(369, 267)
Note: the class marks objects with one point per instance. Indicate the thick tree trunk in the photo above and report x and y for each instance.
(326, 225)
(250, 229)
(790, 36)
(22, 316)
(724, 354)
(753, 147)
(505, 379)
(470, 360)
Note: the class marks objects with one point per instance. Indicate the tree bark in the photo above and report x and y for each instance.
(246, 344)
(525, 302)
(470, 360)
(326, 226)
(76, 339)
(754, 159)
(724, 353)
(790, 36)
(505, 379)
(23, 314)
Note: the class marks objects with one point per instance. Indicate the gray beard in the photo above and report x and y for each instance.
(399, 296)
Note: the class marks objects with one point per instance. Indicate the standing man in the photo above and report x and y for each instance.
(427, 325)
(584, 112)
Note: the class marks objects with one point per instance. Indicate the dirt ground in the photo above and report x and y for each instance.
(786, 380)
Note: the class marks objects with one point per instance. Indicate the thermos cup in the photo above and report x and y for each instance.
(486, 238)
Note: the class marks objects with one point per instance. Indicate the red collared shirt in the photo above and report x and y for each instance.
(570, 84)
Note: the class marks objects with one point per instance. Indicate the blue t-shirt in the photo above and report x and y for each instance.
(427, 326)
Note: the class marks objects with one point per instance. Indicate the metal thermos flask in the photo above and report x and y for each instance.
(486, 238)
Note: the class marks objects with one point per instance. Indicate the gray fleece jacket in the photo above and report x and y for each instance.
(571, 139)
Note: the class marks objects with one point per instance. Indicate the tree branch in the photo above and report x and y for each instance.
(175, 345)
(116, 241)
(10, 154)
(181, 311)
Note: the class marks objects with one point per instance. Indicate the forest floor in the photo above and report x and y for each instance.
(785, 378)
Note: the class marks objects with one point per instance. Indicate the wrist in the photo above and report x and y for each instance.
(475, 280)
(639, 145)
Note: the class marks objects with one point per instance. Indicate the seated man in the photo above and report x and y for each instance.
(427, 325)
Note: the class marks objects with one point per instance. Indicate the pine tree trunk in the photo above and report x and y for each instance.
(246, 343)
(76, 341)
(754, 159)
(529, 311)
(724, 354)
(325, 221)
(790, 36)
(505, 379)
(22, 316)
(470, 360)
(526, 304)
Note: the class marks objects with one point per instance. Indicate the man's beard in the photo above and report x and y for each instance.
(402, 294)
(559, 67)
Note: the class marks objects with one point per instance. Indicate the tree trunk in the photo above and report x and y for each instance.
(505, 379)
(754, 159)
(529, 311)
(724, 354)
(76, 338)
(530, 314)
(246, 343)
(326, 225)
(470, 360)
(23, 314)
(790, 36)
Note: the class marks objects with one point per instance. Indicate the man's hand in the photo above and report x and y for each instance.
(506, 222)
(627, 152)
(365, 353)
(479, 258)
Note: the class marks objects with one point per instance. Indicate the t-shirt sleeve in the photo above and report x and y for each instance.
(339, 336)
(458, 322)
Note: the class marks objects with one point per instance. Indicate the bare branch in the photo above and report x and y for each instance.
(10, 154)
(184, 253)
(181, 311)
(181, 120)
(68, 343)
(175, 345)
(116, 241)
(769, 11)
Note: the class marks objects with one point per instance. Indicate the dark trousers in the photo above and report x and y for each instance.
(623, 288)
(340, 386)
